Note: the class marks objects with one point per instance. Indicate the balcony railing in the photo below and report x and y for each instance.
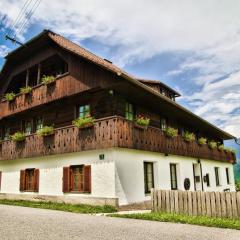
(64, 85)
(106, 133)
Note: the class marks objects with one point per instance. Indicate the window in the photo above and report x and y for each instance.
(77, 179)
(39, 124)
(84, 111)
(7, 133)
(129, 111)
(216, 169)
(173, 174)
(163, 124)
(227, 176)
(29, 180)
(148, 176)
(28, 128)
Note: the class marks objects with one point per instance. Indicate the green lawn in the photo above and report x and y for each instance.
(176, 218)
(76, 208)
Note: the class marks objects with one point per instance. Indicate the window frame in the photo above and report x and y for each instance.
(174, 165)
(85, 113)
(228, 175)
(146, 180)
(25, 127)
(163, 123)
(36, 123)
(4, 133)
(27, 174)
(217, 176)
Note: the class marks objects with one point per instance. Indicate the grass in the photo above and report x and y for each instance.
(76, 208)
(177, 218)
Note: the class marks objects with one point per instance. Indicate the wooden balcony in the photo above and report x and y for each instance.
(106, 133)
(64, 85)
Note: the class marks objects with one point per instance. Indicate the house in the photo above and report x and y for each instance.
(116, 160)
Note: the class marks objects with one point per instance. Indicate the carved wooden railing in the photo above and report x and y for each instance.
(107, 133)
(65, 85)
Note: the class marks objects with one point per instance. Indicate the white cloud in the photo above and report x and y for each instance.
(208, 31)
(3, 50)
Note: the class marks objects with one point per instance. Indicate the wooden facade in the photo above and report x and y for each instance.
(106, 91)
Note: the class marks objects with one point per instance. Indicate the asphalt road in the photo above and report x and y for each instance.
(19, 223)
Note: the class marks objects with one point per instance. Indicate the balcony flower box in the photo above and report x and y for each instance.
(189, 137)
(85, 122)
(48, 80)
(26, 90)
(18, 137)
(142, 122)
(171, 132)
(212, 145)
(202, 141)
(46, 131)
(10, 96)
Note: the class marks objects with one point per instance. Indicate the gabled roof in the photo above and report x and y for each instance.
(82, 52)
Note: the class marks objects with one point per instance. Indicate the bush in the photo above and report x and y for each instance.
(18, 137)
(48, 79)
(26, 90)
(45, 131)
(10, 96)
(202, 141)
(171, 132)
(82, 122)
(143, 121)
(237, 184)
(212, 144)
(189, 137)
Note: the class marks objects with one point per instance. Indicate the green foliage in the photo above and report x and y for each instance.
(48, 79)
(231, 150)
(18, 137)
(76, 208)
(189, 137)
(171, 132)
(212, 144)
(143, 121)
(45, 131)
(221, 147)
(82, 122)
(10, 96)
(178, 218)
(202, 141)
(237, 184)
(26, 90)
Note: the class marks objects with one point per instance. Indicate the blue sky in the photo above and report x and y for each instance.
(193, 46)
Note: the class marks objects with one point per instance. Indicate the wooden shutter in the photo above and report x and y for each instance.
(22, 180)
(0, 180)
(87, 178)
(66, 179)
(36, 180)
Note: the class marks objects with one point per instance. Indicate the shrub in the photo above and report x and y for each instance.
(212, 144)
(202, 141)
(26, 90)
(10, 96)
(221, 147)
(189, 137)
(18, 137)
(48, 79)
(81, 122)
(143, 121)
(45, 131)
(171, 132)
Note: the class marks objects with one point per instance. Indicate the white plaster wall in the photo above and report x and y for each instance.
(130, 173)
(51, 172)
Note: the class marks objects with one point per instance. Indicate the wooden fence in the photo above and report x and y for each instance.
(213, 204)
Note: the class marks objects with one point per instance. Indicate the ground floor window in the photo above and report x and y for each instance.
(173, 175)
(29, 180)
(227, 176)
(77, 178)
(216, 170)
(148, 176)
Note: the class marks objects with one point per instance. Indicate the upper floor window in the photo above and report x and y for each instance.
(84, 111)
(28, 129)
(217, 178)
(163, 123)
(6, 135)
(39, 123)
(173, 175)
(129, 111)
